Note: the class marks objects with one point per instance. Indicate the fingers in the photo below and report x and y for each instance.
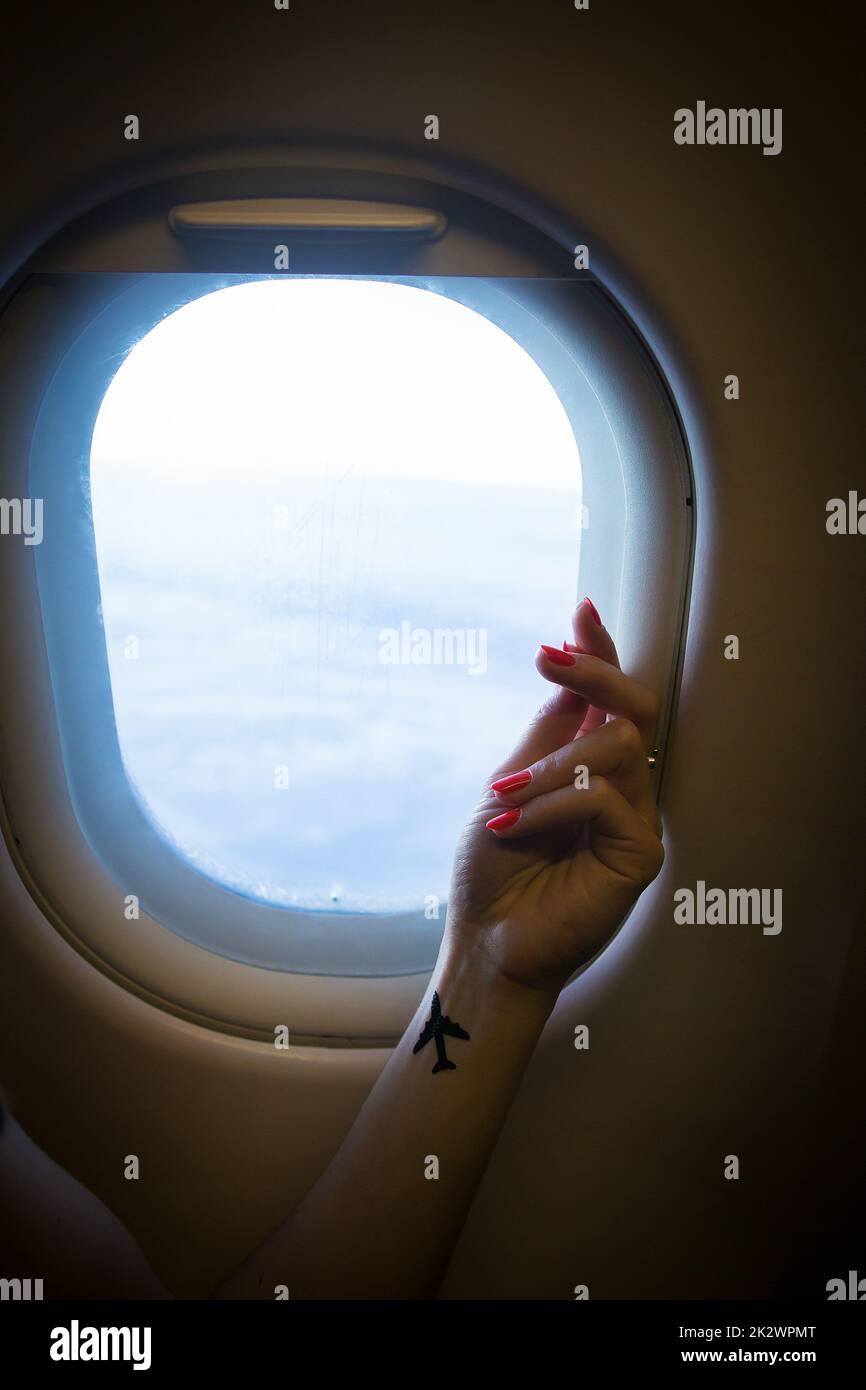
(602, 685)
(620, 838)
(590, 635)
(614, 751)
(592, 638)
(558, 720)
(573, 708)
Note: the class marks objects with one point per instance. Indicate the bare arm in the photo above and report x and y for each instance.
(543, 875)
(377, 1224)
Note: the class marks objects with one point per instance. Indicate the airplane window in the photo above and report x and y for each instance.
(333, 518)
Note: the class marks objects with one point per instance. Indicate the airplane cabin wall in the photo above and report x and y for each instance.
(705, 1041)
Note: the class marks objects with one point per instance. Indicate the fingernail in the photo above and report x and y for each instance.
(504, 821)
(557, 657)
(593, 610)
(511, 783)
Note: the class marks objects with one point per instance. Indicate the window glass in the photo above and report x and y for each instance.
(334, 518)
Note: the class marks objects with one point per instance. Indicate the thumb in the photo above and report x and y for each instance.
(556, 723)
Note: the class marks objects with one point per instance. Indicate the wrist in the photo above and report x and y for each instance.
(466, 974)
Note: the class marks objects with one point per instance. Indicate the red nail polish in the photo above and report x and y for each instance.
(557, 657)
(593, 610)
(511, 783)
(504, 821)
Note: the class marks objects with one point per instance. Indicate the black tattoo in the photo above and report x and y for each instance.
(439, 1026)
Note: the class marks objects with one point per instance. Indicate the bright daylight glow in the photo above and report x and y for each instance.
(290, 479)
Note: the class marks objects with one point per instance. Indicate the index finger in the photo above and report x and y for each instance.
(602, 685)
(591, 636)
(590, 633)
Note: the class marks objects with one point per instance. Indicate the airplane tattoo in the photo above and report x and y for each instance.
(439, 1026)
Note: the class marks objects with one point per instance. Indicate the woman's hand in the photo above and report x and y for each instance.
(552, 858)
(529, 902)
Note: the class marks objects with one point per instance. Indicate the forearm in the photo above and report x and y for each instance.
(378, 1223)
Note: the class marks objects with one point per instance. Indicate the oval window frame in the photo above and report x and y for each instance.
(72, 887)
